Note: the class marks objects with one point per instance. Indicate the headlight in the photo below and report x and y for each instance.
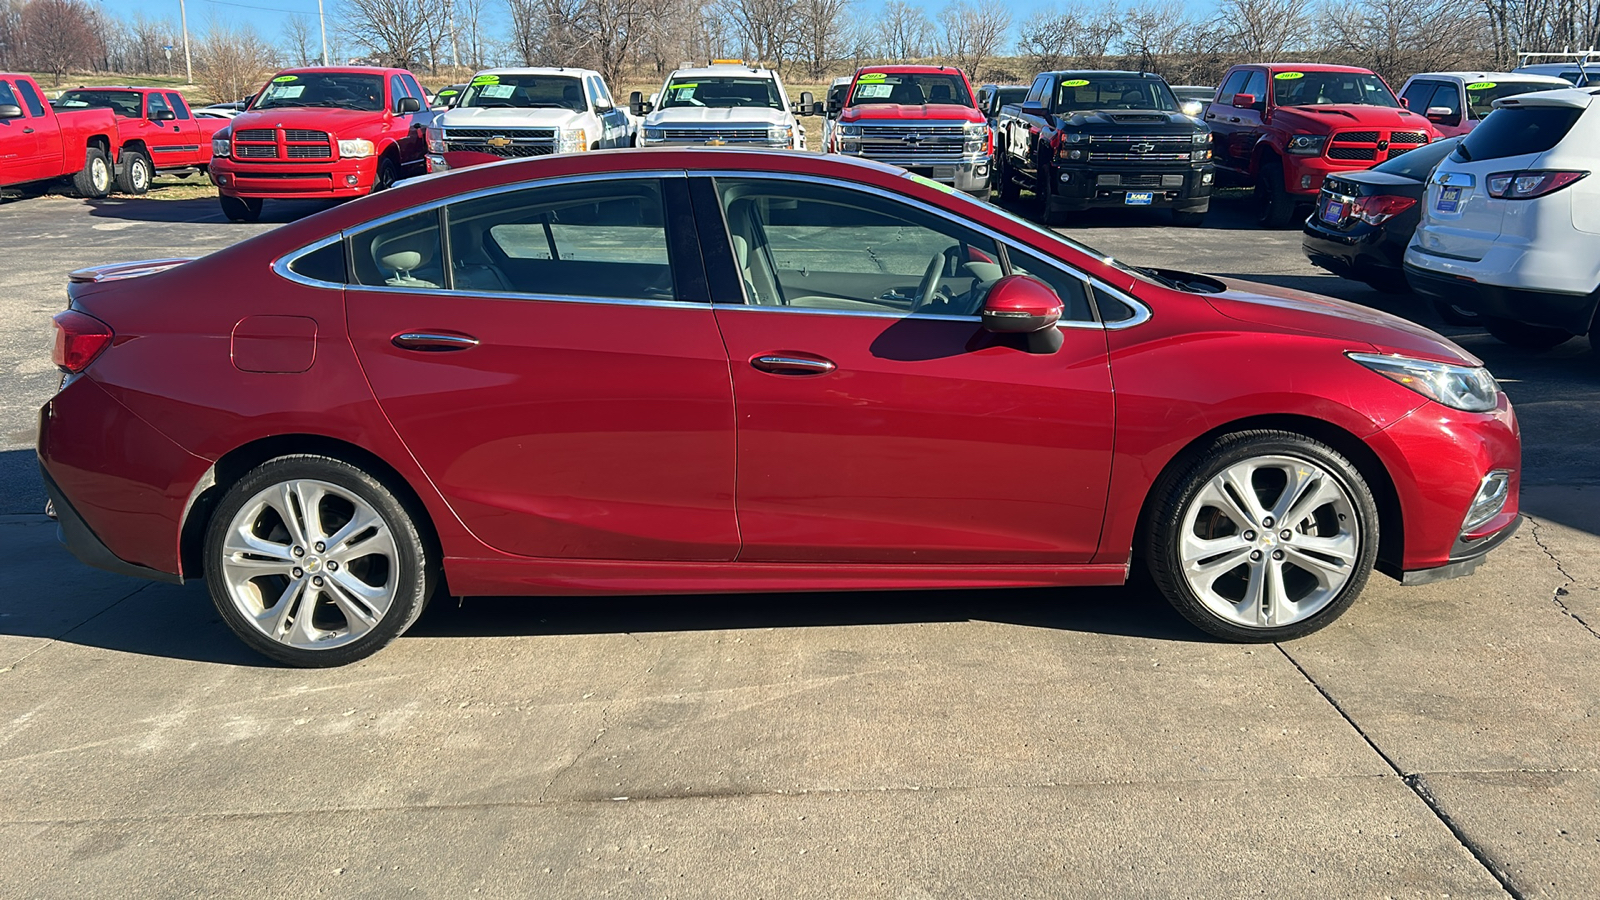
(1467, 388)
(654, 134)
(1075, 138)
(573, 140)
(435, 140)
(780, 134)
(221, 146)
(848, 131)
(1200, 156)
(1202, 137)
(1307, 144)
(355, 149)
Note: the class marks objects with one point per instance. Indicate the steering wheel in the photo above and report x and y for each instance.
(929, 292)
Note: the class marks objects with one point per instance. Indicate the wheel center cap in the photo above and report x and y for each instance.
(313, 564)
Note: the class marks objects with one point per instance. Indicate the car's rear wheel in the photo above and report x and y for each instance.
(314, 562)
(1269, 535)
(240, 209)
(93, 181)
(1521, 334)
(1275, 205)
(136, 173)
(1456, 315)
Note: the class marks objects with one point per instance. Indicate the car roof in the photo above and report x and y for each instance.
(123, 87)
(538, 70)
(1575, 98)
(723, 69)
(907, 69)
(343, 70)
(1120, 73)
(1313, 67)
(1469, 77)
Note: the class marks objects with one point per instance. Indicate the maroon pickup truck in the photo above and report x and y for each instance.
(39, 144)
(157, 131)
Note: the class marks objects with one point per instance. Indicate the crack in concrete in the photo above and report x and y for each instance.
(1415, 783)
(1563, 589)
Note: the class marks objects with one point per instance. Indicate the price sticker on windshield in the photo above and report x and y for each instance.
(496, 91)
(1076, 82)
(873, 91)
(872, 76)
(1289, 76)
(1481, 86)
(285, 79)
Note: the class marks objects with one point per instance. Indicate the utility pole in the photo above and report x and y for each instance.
(323, 18)
(188, 66)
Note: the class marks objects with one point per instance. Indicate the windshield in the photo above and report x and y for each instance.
(721, 92)
(345, 90)
(1323, 88)
(910, 89)
(525, 92)
(449, 96)
(124, 103)
(1074, 94)
(1481, 95)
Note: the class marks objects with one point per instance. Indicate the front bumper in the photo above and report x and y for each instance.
(292, 180)
(1455, 281)
(969, 175)
(1083, 187)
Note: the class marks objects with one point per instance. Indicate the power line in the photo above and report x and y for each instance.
(283, 12)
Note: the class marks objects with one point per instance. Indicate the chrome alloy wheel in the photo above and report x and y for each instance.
(310, 564)
(1270, 541)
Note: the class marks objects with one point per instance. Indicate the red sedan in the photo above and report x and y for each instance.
(642, 372)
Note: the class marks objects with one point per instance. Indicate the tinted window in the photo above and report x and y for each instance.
(1111, 309)
(326, 264)
(178, 106)
(7, 96)
(157, 103)
(1072, 290)
(1234, 85)
(403, 253)
(1418, 164)
(344, 90)
(126, 104)
(910, 89)
(1516, 131)
(1099, 92)
(524, 92)
(1448, 96)
(1041, 85)
(1256, 86)
(605, 239)
(35, 105)
(415, 90)
(825, 247)
(1481, 95)
(1419, 94)
(1324, 88)
(720, 93)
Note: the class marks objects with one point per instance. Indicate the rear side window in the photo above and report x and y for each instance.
(35, 105)
(1517, 131)
(405, 253)
(179, 107)
(325, 265)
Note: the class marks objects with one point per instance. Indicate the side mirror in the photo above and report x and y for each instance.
(1404, 103)
(834, 106)
(603, 106)
(1244, 101)
(409, 105)
(1033, 108)
(10, 111)
(164, 115)
(807, 102)
(1443, 115)
(1022, 304)
(818, 109)
(636, 104)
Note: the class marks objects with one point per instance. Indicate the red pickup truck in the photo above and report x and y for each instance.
(157, 131)
(921, 118)
(37, 143)
(1283, 127)
(321, 133)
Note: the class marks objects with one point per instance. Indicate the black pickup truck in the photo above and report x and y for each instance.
(1101, 139)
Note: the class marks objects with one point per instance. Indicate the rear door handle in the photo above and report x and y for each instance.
(434, 341)
(781, 363)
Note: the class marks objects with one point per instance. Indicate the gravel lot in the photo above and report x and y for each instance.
(1440, 740)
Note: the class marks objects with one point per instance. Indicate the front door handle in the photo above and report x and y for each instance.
(27, 131)
(781, 363)
(434, 341)
(1233, 118)
(1211, 115)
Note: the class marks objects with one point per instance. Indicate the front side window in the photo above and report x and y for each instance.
(1419, 94)
(1331, 88)
(910, 89)
(1234, 85)
(1041, 86)
(721, 92)
(157, 103)
(1072, 290)
(1095, 92)
(126, 104)
(343, 90)
(1255, 84)
(524, 92)
(594, 239)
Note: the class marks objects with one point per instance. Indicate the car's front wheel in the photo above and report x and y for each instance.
(240, 209)
(95, 179)
(314, 562)
(1268, 535)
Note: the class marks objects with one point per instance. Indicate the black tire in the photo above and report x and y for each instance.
(1009, 189)
(1174, 494)
(1050, 214)
(1391, 285)
(1525, 336)
(388, 174)
(414, 573)
(240, 209)
(94, 180)
(1190, 218)
(981, 194)
(136, 174)
(1274, 203)
(1455, 315)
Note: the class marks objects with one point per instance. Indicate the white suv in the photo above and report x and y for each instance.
(1511, 220)
(721, 105)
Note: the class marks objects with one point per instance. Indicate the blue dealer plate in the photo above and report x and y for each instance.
(1449, 199)
(1138, 198)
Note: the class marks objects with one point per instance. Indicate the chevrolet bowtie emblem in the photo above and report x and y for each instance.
(716, 142)
(499, 142)
(1142, 148)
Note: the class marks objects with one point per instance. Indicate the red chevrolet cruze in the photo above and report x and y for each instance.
(694, 371)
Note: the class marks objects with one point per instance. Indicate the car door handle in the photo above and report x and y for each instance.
(1233, 118)
(27, 131)
(434, 341)
(792, 364)
(1211, 115)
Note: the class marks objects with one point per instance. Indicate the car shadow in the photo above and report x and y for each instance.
(1233, 211)
(21, 488)
(199, 210)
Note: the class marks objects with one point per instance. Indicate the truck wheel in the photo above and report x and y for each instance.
(1051, 215)
(1009, 189)
(240, 209)
(135, 176)
(1275, 203)
(388, 174)
(1521, 334)
(94, 181)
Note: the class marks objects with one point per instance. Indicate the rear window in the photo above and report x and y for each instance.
(1517, 131)
(1418, 164)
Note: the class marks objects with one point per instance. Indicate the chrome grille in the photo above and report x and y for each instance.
(302, 136)
(267, 135)
(922, 143)
(507, 143)
(701, 135)
(1098, 156)
(296, 143)
(255, 151)
(318, 151)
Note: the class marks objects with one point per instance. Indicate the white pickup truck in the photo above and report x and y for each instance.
(515, 113)
(723, 104)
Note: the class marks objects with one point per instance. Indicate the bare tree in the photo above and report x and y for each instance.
(12, 44)
(1072, 34)
(232, 60)
(974, 34)
(1151, 33)
(393, 32)
(1265, 29)
(820, 27)
(904, 31)
(764, 28)
(302, 46)
(1396, 38)
(59, 36)
(470, 39)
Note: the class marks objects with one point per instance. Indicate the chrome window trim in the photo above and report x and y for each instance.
(546, 298)
(854, 313)
(1141, 312)
(281, 264)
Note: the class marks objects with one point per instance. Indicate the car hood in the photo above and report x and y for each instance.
(335, 121)
(1322, 119)
(873, 112)
(1283, 309)
(706, 115)
(1122, 118)
(496, 117)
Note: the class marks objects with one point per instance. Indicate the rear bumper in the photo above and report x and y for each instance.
(1570, 312)
(290, 180)
(1360, 255)
(83, 543)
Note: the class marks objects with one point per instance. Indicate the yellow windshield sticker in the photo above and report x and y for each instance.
(929, 182)
(285, 79)
(686, 84)
(1076, 82)
(872, 76)
(1289, 76)
(486, 79)
(1481, 86)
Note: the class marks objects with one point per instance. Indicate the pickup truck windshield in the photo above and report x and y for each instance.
(124, 103)
(345, 90)
(721, 93)
(525, 92)
(910, 89)
(1323, 88)
(1081, 94)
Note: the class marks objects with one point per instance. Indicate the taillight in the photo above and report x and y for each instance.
(1379, 209)
(80, 339)
(1527, 185)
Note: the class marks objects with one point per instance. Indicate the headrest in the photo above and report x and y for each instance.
(405, 253)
